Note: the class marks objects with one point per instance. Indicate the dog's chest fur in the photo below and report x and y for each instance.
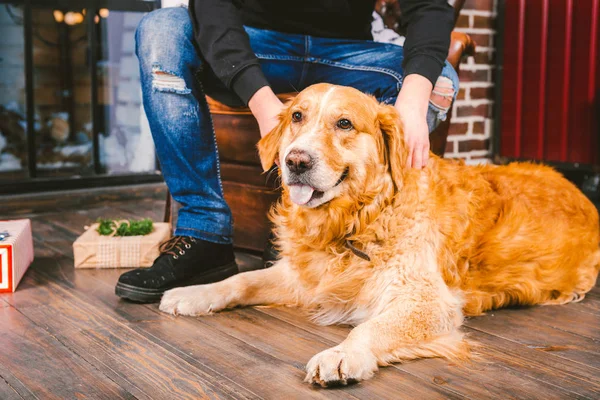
(332, 287)
(337, 286)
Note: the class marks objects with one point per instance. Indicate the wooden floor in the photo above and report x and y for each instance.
(65, 335)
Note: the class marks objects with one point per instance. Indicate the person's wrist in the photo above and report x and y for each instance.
(411, 110)
(261, 102)
(413, 99)
(265, 106)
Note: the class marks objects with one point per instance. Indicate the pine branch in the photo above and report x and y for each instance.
(124, 227)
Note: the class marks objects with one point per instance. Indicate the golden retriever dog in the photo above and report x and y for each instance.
(402, 254)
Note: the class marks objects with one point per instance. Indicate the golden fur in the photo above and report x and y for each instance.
(446, 241)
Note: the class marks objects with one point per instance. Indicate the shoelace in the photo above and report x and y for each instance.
(176, 246)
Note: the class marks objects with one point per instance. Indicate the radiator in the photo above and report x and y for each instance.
(550, 88)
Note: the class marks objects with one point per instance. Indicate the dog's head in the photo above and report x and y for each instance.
(332, 142)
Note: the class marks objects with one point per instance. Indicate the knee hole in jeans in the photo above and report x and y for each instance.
(164, 81)
(442, 94)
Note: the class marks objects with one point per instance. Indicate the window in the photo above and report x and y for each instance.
(70, 100)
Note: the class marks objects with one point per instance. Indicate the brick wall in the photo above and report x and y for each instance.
(471, 132)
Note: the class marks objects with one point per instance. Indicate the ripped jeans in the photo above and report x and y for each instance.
(180, 120)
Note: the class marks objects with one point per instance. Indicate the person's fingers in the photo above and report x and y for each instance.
(417, 159)
(410, 156)
(425, 157)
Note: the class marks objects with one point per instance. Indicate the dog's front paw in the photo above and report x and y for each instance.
(339, 366)
(192, 300)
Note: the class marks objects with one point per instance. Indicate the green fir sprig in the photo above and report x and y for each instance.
(124, 227)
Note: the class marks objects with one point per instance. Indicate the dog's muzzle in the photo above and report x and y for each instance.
(302, 194)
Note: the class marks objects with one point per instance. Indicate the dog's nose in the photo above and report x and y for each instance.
(298, 161)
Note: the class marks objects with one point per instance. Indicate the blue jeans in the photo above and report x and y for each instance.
(180, 120)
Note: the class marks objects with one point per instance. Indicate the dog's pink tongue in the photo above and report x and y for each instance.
(301, 194)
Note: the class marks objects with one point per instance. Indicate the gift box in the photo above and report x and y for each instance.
(92, 250)
(16, 252)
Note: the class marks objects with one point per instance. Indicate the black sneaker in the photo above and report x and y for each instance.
(184, 261)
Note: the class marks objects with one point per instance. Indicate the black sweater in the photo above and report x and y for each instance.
(225, 47)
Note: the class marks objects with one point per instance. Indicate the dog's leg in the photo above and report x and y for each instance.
(420, 322)
(266, 286)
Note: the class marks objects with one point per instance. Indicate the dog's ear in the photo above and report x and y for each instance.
(268, 146)
(396, 154)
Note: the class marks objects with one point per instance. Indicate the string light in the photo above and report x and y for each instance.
(75, 18)
(58, 16)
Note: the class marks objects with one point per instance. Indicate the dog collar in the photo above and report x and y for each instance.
(356, 251)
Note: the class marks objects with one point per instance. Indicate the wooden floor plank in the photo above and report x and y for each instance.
(491, 376)
(570, 318)
(294, 368)
(7, 391)
(16, 386)
(590, 304)
(539, 365)
(526, 330)
(60, 373)
(181, 337)
(152, 209)
(17, 206)
(268, 376)
(296, 346)
(205, 346)
(144, 368)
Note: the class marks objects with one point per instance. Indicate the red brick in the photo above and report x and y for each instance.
(481, 39)
(479, 75)
(481, 5)
(483, 22)
(485, 57)
(463, 21)
(449, 147)
(478, 127)
(469, 145)
(482, 93)
(481, 110)
(458, 128)
(461, 94)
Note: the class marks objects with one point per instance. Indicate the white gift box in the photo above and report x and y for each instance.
(16, 252)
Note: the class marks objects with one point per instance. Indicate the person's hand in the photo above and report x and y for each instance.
(412, 104)
(416, 137)
(265, 107)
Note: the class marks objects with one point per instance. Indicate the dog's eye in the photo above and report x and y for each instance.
(297, 116)
(344, 124)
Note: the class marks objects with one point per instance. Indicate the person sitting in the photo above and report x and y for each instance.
(244, 53)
